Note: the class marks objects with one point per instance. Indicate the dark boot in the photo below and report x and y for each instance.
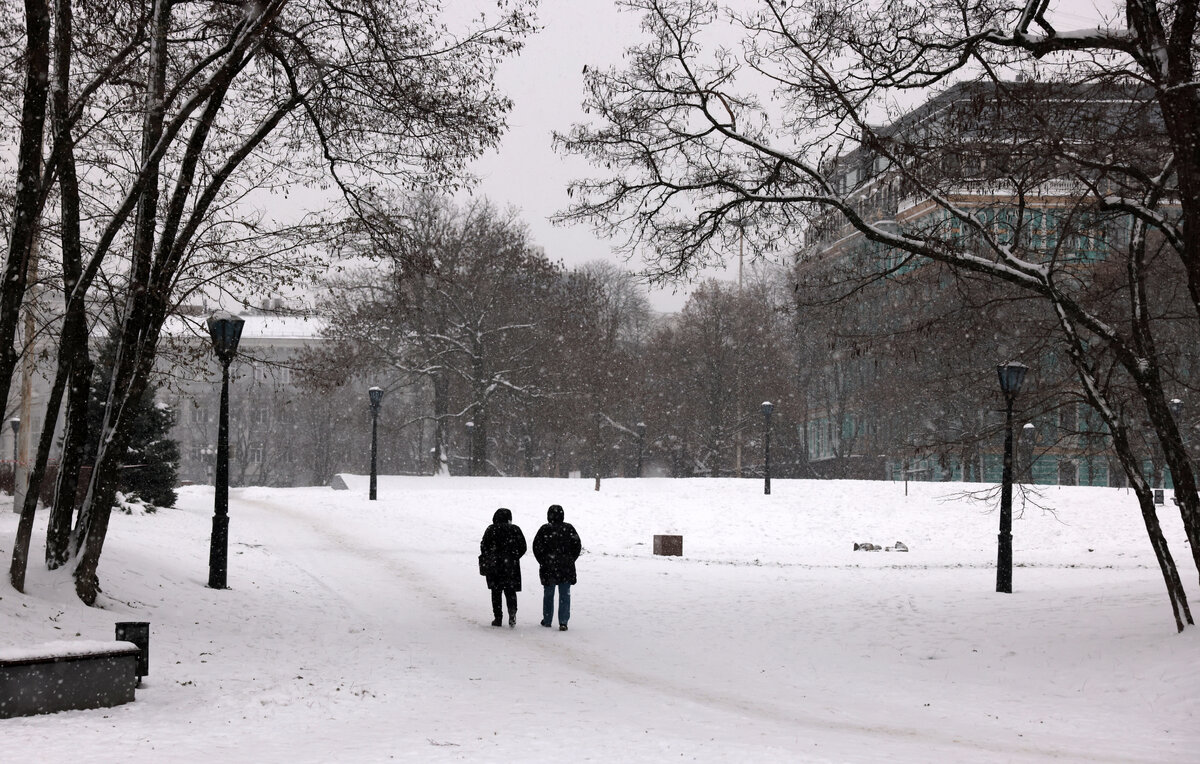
(512, 619)
(499, 619)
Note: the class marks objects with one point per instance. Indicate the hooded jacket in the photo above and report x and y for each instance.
(556, 547)
(502, 546)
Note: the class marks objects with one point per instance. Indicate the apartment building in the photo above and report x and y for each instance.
(901, 378)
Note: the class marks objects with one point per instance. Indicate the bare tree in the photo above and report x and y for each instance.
(697, 149)
(188, 108)
(454, 302)
(595, 328)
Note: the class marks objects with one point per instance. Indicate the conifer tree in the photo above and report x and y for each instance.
(150, 468)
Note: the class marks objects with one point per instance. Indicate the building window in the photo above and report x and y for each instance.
(256, 453)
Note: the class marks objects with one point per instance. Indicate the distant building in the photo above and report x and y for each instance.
(859, 421)
(267, 444)
(282, 431)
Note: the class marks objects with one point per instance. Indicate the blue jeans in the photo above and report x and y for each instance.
(564, 603)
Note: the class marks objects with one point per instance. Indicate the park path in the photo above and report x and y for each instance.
(417, 619)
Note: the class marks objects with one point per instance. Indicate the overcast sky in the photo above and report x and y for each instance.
(546, 85)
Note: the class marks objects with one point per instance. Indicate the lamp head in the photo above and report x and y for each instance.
(1012, 375)
(225, 328)
(767, 408)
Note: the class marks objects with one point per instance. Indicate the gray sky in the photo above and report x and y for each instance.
(546, 84)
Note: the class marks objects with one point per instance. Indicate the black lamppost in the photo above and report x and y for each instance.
(225, 329)
(767, 408)
(376, 395)
(16, 428)
(1012, 374)
(641, 435)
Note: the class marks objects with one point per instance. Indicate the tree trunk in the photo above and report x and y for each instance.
(1177, 460)
(1145, 370)
(1158, 542)
(479, 413)
(1131, 466)
(88, 539)
(26, 207)
(20, 557)
(22, 475)
(441, 409)
(75, 435)
(1180, 106)
(73, 359)
(479, 436)
(114, 435)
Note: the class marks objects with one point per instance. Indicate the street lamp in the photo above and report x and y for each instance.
(1012, 374)
(225, 329)
(641, 436)
(376, 395)
(767, 408)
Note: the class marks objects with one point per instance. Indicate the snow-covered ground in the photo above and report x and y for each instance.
(358, 631)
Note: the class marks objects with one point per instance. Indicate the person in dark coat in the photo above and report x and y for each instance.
(556, 547)
(502, 546)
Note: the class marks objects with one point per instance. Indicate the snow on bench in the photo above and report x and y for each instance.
(66, 675)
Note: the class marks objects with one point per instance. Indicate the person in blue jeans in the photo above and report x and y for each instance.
(556, 547)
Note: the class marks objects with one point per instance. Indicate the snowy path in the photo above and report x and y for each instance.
(358, 631)
(739, 666)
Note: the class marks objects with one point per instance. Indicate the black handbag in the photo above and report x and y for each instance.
(483, 566)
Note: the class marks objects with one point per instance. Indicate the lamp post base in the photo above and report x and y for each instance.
(217, 552)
